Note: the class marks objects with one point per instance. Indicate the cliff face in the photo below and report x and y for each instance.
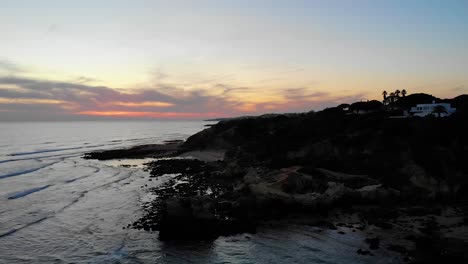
(421, 157)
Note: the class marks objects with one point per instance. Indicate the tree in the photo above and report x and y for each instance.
(385, 98)
(397, 93)
(403, 92)
(439, 109)
(392, 97)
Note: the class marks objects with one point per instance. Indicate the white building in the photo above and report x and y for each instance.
(427, 109)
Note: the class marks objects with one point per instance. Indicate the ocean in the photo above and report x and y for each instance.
(56, 207)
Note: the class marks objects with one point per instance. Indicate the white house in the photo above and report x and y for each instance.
(427, 109)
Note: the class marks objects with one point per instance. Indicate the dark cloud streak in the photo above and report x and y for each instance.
(45, 99)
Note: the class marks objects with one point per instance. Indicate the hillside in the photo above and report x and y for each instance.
(426, 155)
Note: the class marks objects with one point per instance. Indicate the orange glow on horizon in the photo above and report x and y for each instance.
(146, 103)
(247, 107)
(149, 114)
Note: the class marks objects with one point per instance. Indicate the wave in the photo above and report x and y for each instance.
(74, 201)
(42, 157)
(14, 230)
(39, 151)
(43, 151)
(18, 173)
(27, 192)
(85, 146)
(96, 170)
(48, 142)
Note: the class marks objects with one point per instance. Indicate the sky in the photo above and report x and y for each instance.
(81, 60)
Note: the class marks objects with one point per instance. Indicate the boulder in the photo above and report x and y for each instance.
(419, 178)
(292, 181)
(376, 193)
(194, 218)
(350, 180)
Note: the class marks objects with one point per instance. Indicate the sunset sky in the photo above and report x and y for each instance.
(71, 60)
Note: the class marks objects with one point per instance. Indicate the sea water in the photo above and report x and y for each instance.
(56, 207)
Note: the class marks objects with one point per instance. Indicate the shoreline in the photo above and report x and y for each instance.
(403, 230)
(365, 174)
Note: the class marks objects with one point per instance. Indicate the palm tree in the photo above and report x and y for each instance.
(403, 92)
(397, 93)
(384, 93)
(439, 109)
(392, 97)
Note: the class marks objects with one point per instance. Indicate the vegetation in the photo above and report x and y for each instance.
(389, 150)
(393, 97)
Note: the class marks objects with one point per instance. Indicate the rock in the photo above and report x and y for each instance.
(203, 208)
(434, 249)
(373, 242)
(422, 210)
(364, 252)
(349, 180)
(194, 219)
(152, 150)
(383, 225)
(177, 208)
(419, 178)
(327, 224)
(308, 200)
(334, 192)
(377, 193)
(294, 182)
(175, 166)
(224, 205)
(397, 248)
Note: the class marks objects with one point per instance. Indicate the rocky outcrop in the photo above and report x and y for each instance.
(292, 188)
(198, 218)
(422, 158)
(170, 148)
(258, 168)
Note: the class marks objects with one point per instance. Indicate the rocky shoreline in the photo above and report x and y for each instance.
(197, 203)
(239, 174)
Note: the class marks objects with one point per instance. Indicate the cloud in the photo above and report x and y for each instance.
(25, 94)
(84, 79)
(9, 67)
(145, 103)
(27, 98)
(29, 101)
(301, 94)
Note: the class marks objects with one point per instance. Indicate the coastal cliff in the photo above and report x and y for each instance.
(422, 158)
(386, 170)
(401, 179)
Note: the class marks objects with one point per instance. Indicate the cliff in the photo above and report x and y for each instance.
(423, 158)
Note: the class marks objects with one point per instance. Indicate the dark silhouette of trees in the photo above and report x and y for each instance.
(413, 99)
(369, 106)
(461, 104)
(393, 97)
(343, 107)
